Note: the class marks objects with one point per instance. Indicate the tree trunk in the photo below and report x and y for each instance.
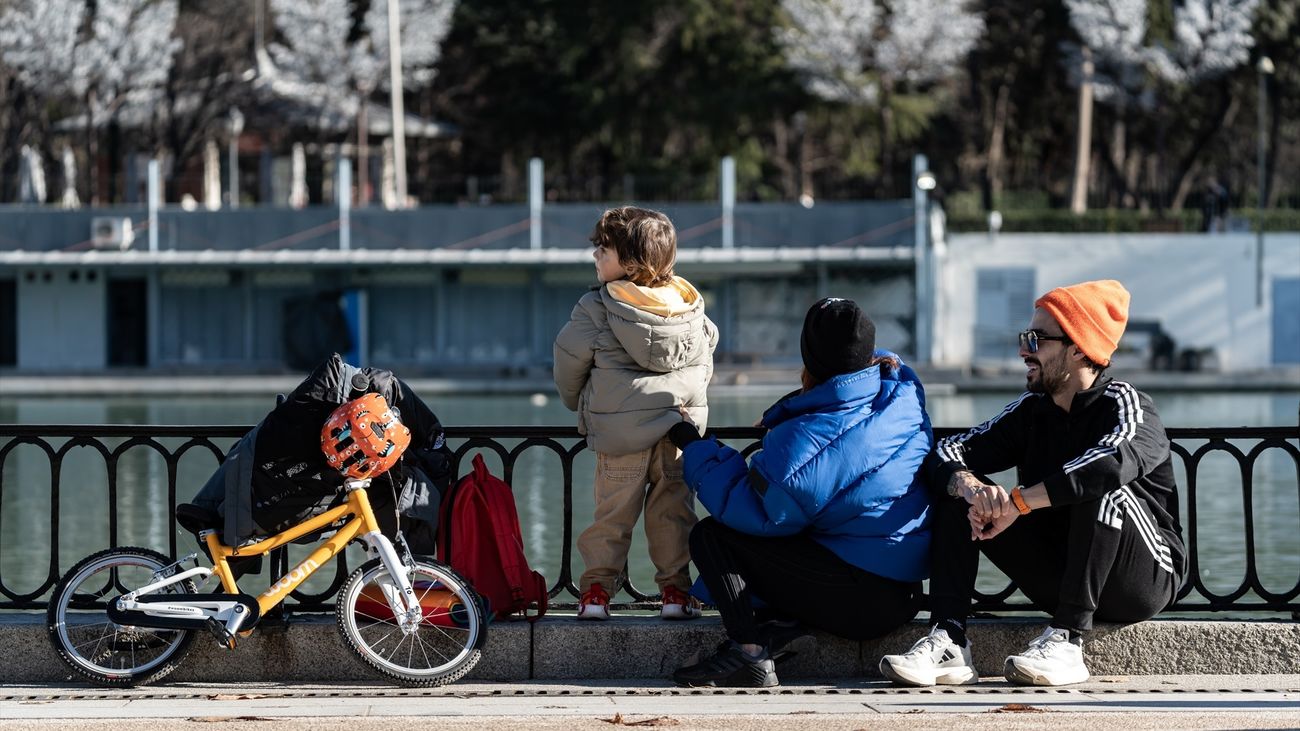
(805, 166)
(1116, 153)
(1079, 194)
(92, 152)
(997, 147)
(1132, 168)
(363, 154)
(886, 142)
(1185, 187)
(1270, 160)
(1188, 167)
(509, 177)
(781, 159)
(114, 154)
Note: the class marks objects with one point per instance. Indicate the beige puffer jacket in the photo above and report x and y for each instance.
(625, 370)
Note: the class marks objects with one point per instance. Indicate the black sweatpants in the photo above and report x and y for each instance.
(1102, 558)
(797, 578)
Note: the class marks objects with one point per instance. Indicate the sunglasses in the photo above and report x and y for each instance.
(1029, 339)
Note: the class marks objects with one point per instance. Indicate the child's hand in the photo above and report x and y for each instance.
(684, 433)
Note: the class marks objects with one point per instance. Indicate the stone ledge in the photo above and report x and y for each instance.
(559, 647)
(310, 650)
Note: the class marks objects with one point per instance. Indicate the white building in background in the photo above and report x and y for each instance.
(1211, 293)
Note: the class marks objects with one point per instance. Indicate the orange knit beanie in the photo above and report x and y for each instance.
(1093, 314)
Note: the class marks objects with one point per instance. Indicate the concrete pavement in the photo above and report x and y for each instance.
(1137, 702)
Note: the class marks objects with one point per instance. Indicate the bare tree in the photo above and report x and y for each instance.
(1110, 68)
(122, 54)
(1212, 37)
(324, 57)
(924, 41)
(207, 81)
(853, 51)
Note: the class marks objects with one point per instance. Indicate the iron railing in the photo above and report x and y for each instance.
(1191, 447)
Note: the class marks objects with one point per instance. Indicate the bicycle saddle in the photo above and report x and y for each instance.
(194, 518)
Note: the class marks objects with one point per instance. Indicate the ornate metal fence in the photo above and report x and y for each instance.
(1245, 446)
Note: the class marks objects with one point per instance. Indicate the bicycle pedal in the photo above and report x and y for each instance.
(224, 637)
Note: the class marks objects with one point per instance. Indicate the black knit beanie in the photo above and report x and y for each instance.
(837, 337)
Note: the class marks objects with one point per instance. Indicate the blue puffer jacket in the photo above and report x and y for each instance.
(840, 462)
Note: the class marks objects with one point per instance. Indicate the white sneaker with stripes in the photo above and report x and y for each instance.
(934, 659)
(1052, 659)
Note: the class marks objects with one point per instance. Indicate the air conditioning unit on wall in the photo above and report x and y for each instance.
(111, 233)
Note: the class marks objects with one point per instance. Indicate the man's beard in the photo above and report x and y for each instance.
(1053, 375)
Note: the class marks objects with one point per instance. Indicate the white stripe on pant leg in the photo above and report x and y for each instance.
(1120, 504)
(1145, 523)
(1146, 529)
(1108, 512)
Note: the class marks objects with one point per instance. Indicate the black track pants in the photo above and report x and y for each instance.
(797, 578)
(1099, 558)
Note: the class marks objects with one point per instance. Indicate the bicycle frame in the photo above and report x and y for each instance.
(361, 521)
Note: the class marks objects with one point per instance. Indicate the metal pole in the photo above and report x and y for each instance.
(921, 251)
(728, 188)
(363, 327)
(236, 129)
(1264, 68)
(395, 96)
(535, 203)
(345, 204)
(154, 196)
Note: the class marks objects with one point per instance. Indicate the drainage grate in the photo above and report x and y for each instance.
(453, 692)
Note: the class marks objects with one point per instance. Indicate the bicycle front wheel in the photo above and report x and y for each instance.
(96, 647)
(441, 649)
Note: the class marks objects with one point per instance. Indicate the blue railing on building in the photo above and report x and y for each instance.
(836, 224)
(1191, 447)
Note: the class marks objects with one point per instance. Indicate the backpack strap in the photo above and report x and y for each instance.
(445, 520)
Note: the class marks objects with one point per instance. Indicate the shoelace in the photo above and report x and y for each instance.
(1043, 645)
(929, 644)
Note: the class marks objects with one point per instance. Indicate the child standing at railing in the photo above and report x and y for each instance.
(636, 348)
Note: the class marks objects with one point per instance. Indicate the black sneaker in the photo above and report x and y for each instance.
(729, 667)
(785, 638)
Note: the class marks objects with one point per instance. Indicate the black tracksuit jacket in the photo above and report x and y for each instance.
(1110, 438)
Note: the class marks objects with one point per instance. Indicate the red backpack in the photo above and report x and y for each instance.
(478, 536)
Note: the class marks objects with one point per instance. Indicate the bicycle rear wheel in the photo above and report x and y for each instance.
(94, 646)
(441, 649)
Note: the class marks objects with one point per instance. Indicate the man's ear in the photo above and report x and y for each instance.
(1075, 353)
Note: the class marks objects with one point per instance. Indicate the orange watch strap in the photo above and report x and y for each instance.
(1019, 500)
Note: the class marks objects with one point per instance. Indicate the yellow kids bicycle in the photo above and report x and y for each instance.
(127, 616)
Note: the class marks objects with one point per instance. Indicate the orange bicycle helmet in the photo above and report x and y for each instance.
(363, 437)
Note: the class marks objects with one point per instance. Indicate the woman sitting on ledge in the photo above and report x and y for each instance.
(829, 523)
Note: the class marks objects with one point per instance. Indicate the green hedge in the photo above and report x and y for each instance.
(1111, 220)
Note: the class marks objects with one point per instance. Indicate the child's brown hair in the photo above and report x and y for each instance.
(644, 240)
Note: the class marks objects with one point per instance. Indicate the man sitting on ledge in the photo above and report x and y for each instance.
(1092, 530)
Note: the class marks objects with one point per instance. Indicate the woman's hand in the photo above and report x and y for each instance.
(686, 415)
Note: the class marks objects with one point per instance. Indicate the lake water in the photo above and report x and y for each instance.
(25, 524)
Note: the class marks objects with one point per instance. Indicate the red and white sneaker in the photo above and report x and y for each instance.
(678, 604)
(594, 603)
